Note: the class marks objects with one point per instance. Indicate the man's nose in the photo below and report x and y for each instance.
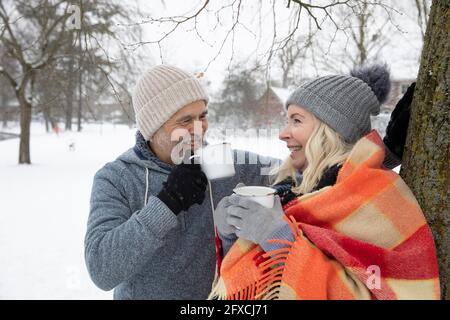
(196, 128)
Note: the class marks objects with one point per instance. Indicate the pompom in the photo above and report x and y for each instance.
(377, 77)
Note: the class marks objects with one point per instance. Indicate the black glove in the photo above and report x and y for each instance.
(398, 124)
(284, 190)
(185, 186)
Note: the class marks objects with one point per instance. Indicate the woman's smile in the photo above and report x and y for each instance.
(295, 150)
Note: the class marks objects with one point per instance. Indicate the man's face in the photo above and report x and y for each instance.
(186, 128)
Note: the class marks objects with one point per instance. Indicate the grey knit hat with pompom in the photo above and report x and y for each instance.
(345, 102)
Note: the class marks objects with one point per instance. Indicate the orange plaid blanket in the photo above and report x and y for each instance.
(363, 238)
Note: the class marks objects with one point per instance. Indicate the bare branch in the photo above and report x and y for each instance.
(11, 80)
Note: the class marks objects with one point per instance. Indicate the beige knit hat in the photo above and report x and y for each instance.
(160, 93)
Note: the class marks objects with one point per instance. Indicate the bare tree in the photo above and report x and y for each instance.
(38, 34)
(237, 98)
(49, 96)
(6, 96)
(47, 20)
(422, 7)
(291, 55)
(230, 16)
(363, 37)
(368, 42)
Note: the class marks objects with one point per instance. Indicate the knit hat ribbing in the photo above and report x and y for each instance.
(343, 102)
(160, 93)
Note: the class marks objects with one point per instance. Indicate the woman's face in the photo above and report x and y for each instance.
(300, 125)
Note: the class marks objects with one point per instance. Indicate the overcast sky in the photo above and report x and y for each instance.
(196, 49)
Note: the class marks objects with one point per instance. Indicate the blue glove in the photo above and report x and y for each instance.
(253, 221)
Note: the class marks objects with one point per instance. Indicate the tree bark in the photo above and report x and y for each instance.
(4, 110)
(25, 124)
(426, 160)
(70, 95)
(80, 97)
(46, 113)
(80, 82)
(5, 119)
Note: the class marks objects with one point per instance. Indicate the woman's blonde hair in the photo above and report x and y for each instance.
(324, 149)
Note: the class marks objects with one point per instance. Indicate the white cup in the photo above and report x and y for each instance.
(216, 160)
(265, 196)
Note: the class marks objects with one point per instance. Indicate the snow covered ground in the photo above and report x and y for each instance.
(44, 208)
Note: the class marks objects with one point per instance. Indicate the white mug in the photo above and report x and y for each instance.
(265, 196)
(216, 160)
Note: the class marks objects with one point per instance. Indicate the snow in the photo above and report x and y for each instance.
(380, 122)
(44, 209)
(45, 206)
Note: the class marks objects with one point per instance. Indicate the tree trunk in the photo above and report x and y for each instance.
(426, 161)
(69, 95)
(80, 99)
(25, 123)
(5, 119)
(285, 80)
(46, 113)
(4, 110)
(69, 111)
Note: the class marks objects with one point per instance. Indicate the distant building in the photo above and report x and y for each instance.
(272, 112)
